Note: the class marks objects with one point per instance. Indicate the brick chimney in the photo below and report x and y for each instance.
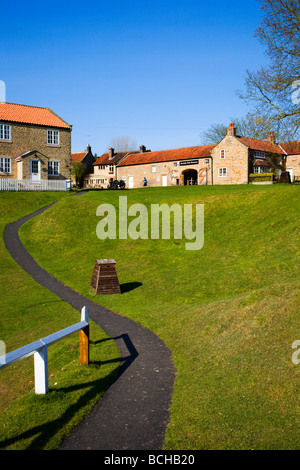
(111, 153)
(142, 149)
(271, 138)
(231, 129)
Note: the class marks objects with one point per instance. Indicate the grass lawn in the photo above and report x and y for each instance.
(29, 312)
(228, 312)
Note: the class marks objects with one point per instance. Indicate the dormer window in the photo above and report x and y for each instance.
(259, 154)
(52, 137)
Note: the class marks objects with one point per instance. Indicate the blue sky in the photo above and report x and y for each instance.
(159, 72)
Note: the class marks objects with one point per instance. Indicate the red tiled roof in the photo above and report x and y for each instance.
(262, 145)
(105, 160)
(291, 148)
(31, 115)
(78, 157)
(188, 153)
(261, 163)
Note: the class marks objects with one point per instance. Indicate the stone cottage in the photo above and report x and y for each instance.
(35, 143)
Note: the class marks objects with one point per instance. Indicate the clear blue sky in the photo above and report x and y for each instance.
(160, 72)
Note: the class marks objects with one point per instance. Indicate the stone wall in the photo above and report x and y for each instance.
(165, 173)
(236, 162)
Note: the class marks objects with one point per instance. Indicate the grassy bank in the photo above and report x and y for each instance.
(228, 312)
(29, 312)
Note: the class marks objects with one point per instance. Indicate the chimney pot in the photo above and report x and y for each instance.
(111, 153)
(271, 138)
(231, 129)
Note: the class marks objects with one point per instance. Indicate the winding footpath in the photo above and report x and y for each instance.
(134, 411)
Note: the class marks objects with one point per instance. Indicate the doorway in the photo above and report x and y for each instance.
(190, 177)
(35, 170)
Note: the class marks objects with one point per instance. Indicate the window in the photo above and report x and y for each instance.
(5, 165)
(175, 163)
(259, 154)
(222, 154)
(53, 168)
(111, 168)
(154, 169)
(262, 169)
(101, 167)
(222, 172)
(4, 132)
(52, 137)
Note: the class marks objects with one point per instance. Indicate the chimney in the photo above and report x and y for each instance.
(231, 129)
(88, 148)
(111, 153)
(142, 149)
(271, 138)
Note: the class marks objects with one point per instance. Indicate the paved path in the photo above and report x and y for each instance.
(134, 412)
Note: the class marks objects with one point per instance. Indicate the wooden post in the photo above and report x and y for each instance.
(84, 339)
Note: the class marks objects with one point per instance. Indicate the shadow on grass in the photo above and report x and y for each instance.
(40, 435)
(128, 286)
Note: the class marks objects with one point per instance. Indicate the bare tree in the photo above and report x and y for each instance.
(274, 90)
(123, 144)
(255, 127)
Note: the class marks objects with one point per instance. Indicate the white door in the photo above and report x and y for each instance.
(35, 170)
(130, 181)
(164, 180)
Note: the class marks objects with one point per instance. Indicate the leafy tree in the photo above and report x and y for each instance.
(79, 171)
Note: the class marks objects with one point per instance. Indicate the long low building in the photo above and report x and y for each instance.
(190, 165)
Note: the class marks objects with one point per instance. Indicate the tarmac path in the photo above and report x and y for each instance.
(134, 412)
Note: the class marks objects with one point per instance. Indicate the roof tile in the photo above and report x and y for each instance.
(31, 115)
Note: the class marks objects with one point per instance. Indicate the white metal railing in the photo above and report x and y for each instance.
(29, 185)
(40, 351)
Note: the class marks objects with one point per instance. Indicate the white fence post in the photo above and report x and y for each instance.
(41, 371)
(40, 352)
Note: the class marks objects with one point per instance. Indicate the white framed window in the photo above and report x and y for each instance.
(5, 165)
(222, 154)
(53, 168)
(222, 172)
(259, 154)
(262, 169)
(154, 169)
(4, 132)
(52, 137)
(101, 167)
(111, 168)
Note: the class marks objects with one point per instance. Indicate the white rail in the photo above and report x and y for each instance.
(28, 185)
(40, 350)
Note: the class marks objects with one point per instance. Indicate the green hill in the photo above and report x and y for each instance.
(229, 312)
